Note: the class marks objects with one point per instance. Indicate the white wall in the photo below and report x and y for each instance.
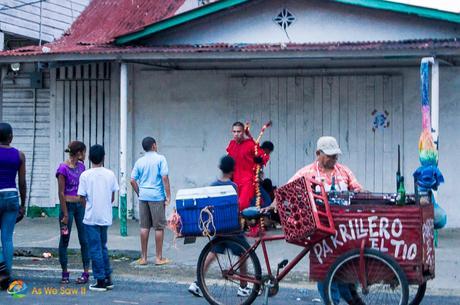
(190, 114)
(317, 21)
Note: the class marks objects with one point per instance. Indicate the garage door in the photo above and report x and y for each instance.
(364, 112)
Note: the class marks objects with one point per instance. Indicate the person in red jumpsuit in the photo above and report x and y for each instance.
(242, 150)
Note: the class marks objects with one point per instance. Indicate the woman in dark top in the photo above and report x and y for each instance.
(68, 175)
(12, 164)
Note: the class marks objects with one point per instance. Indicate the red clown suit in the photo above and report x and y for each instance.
(244, 175)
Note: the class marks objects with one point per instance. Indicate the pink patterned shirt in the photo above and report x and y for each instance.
(345, 180)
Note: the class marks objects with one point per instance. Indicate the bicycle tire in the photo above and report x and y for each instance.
(419, 295)
(205, 278)
(382, 273)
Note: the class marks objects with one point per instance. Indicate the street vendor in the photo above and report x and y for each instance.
(327, 169)
(339, 177)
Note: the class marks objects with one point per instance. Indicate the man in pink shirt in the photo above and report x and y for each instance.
(326, 168)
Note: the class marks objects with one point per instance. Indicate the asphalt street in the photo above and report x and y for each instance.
(44, 288)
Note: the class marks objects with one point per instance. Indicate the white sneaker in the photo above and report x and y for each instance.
(195, 290)
(244, 292)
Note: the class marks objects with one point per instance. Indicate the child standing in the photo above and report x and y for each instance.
(68, 175)
(97, 191)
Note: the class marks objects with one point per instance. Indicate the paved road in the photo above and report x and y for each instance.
(44, 289)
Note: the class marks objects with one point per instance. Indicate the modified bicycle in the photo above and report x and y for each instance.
(382, 253)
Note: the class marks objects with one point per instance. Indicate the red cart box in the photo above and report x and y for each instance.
(405, 233)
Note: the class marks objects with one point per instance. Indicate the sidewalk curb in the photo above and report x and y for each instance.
(38, 252)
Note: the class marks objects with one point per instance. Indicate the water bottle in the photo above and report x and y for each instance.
(64, 230)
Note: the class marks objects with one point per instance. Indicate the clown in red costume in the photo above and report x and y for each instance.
(242, 150)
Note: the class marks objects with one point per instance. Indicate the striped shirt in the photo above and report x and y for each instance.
(345, 180)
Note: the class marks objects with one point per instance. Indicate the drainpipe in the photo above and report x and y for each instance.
(123, 147)
(434, 107)
(435, 101)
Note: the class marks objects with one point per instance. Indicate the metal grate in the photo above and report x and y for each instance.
(84, 92)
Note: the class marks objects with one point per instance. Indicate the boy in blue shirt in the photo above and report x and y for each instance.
(150, 181)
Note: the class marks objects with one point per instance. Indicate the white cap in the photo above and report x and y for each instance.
(328, 145)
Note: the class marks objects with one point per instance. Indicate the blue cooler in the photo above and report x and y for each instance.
(223, 203)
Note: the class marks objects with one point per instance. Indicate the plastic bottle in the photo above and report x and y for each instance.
(64, 230)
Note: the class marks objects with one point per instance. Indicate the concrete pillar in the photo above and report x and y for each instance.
(123, 147)
(2, 41)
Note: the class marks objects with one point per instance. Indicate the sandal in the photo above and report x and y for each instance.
(83, 279)
(141, 262)
(163, 261)
(65, 279)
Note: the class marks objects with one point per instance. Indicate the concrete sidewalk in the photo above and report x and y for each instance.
(32, 237)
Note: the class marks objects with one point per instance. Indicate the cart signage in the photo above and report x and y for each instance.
(404, 233)
(384, 234)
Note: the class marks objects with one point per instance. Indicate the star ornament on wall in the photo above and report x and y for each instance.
(284, 19)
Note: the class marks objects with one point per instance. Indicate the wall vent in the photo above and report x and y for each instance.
(284, 19)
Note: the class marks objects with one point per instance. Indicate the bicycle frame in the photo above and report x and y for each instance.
(262, 241)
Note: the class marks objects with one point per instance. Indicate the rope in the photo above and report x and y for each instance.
(207, 226)
(257, 172)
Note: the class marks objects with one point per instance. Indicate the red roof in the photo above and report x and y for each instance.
(103, 20)
(404, 45)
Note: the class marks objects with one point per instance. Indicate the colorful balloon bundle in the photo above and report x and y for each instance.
(428, 153)
(428, 176)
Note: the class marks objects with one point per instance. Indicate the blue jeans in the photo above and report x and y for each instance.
(9, 207)
(76, 211)
(97, 240)
(337, 291)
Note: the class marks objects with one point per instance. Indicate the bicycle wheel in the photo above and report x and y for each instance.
(416, 293)
(386, 282)
(222, 261)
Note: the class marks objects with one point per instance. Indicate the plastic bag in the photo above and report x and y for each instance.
(440, 216)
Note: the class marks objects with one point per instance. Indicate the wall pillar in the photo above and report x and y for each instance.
(123, 147)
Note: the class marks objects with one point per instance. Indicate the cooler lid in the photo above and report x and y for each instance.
(206, 192)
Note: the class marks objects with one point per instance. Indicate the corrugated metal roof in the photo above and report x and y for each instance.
(405, 45)
(104, 20)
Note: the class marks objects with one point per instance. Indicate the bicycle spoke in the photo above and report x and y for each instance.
(384, 286)
(221, 282)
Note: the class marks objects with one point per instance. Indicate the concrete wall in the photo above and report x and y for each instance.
(190, 114)
(316, 22)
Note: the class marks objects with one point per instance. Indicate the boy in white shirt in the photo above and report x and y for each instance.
(97, 189)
